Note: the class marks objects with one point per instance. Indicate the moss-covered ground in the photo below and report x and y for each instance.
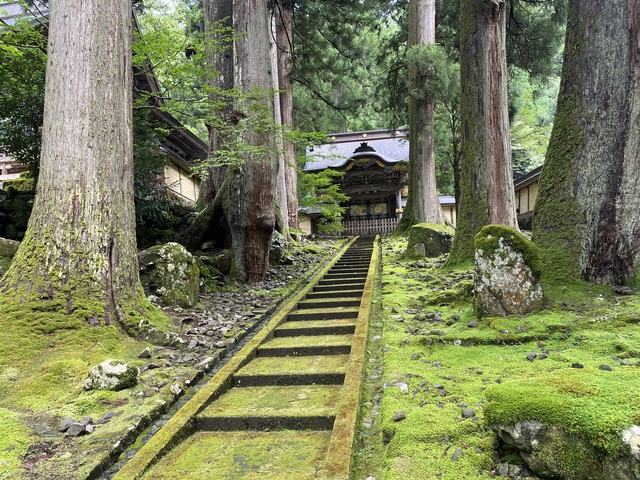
(429, 359)
(46, 353)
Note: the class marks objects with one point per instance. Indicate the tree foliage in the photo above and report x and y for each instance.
(22, 71)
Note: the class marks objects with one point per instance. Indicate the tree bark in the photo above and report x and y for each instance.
(284, 41)
(422, 204)
(587, 215)
(80, 245)
(281, 184)
(220, 66)
(251, 207)
(486, 177)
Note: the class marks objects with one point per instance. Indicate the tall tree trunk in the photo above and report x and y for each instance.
(80, 245)
(284, 41)
(486, 177)
(251, 207)
(217, 13)
(587, 215)
(422, 203)
(281, 184)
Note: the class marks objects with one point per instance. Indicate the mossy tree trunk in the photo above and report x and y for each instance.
(250, 210)
(486, 182)
(217, 13)
(422, 203)
(587, 215)
(281, 185)
(284, 40)
(79, 250)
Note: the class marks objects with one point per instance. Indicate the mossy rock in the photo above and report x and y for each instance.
(507, 273)
(429, 240)
(8, 248)
(571, 423)
(112, 375)
(223, 261)
(171, 273)
(210, 276)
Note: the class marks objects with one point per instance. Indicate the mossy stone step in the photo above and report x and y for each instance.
(252, 455)
(337, 293)
(330, 313)
(350, 274)
(315, 369)
(307, 345)
(307, 407)
(332, 287)
(316, 328)
(341, 282)
(329, 303)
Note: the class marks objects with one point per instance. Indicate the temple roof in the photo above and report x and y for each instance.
(389, 146)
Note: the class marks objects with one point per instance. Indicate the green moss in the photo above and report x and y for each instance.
(14, 442)
(585, 324)
(488, 239)
(21, 184)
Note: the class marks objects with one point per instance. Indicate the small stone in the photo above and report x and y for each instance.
(146, 353)
(456, 455)
(542, 356)
(577, 365)
(622, 290)
(457, 343)
(437, 364)
(437, 317)
(395, 310)
(504, 332)
(376, 338)
(472, 324)
(479, 372)
(532, 356)
(399, 416)
(89, 428)
(468, 413)
(66, 423)
(219, 344)
(455, 317)
(626, 363)
(76, 429)
(606, 368)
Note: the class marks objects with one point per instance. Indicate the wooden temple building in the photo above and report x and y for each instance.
(376, 181)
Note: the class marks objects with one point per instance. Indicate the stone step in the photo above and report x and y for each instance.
(345, 275)
(310, 407)
(336, 293)
(329, 303)
(332, 344)
(345, 286)
(316, 327)
(309, 370)
(341, 281)
(333, 313)
(277, 455)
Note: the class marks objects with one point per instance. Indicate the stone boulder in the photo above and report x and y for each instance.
(8, 249)
(223, 261)
(170, 273)
(111, 375)
(551, 452)
(278, 250)
(507, 272)
(429, 240)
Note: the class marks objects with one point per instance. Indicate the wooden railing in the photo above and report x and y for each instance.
(369, 227)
